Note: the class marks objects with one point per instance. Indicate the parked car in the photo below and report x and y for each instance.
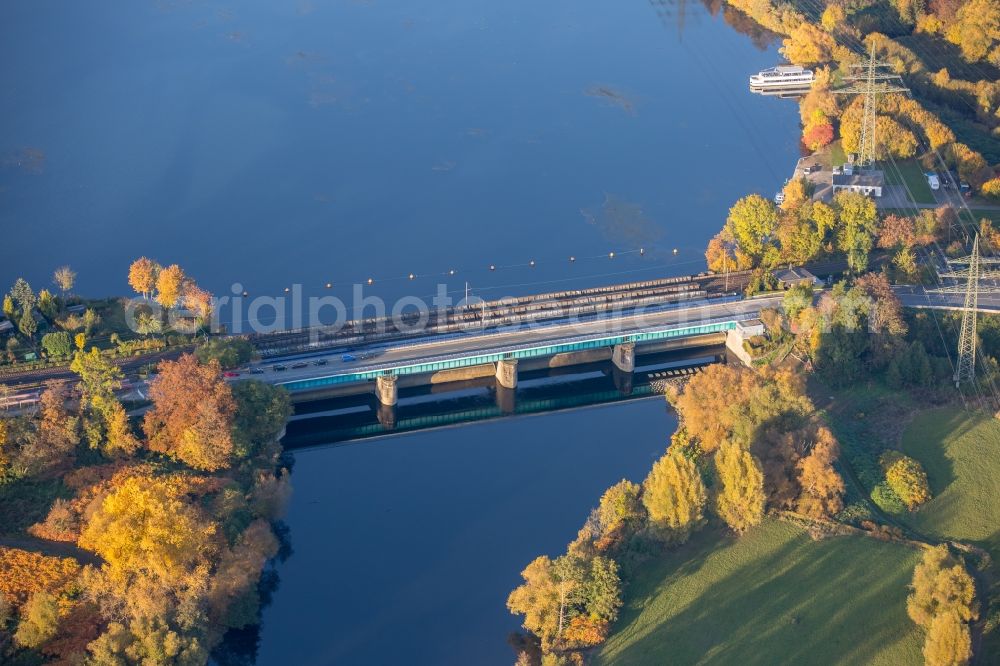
(230, 374)
(321, 361)
(256, 371)
(279, 368)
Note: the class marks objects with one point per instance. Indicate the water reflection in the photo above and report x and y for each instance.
(357, 418)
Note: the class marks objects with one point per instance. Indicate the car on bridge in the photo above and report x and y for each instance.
(347, 358)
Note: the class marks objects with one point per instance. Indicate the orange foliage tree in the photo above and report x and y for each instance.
(192, 415)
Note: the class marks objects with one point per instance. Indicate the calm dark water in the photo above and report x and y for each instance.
(271, 143)
(406, 547)
(309, 141)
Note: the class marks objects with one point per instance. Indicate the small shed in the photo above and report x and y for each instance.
(794, 277)
(749, 328)
(5, 325)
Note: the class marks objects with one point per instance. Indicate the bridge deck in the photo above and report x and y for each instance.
(433, 355)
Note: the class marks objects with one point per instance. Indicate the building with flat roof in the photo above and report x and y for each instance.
(869, 183)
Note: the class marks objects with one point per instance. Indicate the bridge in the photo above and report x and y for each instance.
(503, 351)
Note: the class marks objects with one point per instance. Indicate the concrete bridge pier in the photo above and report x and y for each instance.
(385, 390)
(507, 373)
(623, 356)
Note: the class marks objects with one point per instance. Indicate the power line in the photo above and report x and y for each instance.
(965, 369)
(873, 83)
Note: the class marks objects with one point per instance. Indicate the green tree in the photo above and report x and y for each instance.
(39, 620)
(105, 424)
(740, 499)
(57, 345)
(797, 299)
(858, 227)
(27, 324)
(261, 413)
(229, 352)
(23, 295)
(47, 304)
(674, 496)
(752, 222)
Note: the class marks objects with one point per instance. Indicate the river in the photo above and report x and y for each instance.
(305, 142)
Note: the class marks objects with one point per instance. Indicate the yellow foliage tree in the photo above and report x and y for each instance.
(142, 276)
(143, 527)
(809, 45)
(674, 496)
(948, 642)
(740, 500)
(169, 285)
(941, 585)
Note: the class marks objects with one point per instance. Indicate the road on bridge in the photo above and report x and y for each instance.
(404, 353)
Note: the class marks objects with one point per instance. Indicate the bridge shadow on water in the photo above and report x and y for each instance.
(336, 421)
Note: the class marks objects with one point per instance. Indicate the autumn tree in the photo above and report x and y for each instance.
(948, 641)
(907, 479)
(941, 585)
(752, 222)
(64, 277)
(39, 620)
(57, 434)
(619, 513)
(809, 45)
(724, 256)
(192, 415)
(727, 403)
(740, 498)
(822, 487)
(142, 275)
(169, 285)
(897, 231)
(144, 527)
(976, 29)
(197, 300)
(674, 496)
(568, 592)
(232, 595)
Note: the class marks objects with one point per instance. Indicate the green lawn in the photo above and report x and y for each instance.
(961, 453)
(910, 173)
(772, 596)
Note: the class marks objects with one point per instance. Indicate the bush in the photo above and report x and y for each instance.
(907, 479)
(886, 499)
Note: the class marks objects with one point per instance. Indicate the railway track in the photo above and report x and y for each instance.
(583, 303)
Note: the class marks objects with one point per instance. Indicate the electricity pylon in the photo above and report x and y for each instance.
(965, 368)
(871, 83)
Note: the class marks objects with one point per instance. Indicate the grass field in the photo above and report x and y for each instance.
(772, 596)
(961, 453)
(908, 172)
